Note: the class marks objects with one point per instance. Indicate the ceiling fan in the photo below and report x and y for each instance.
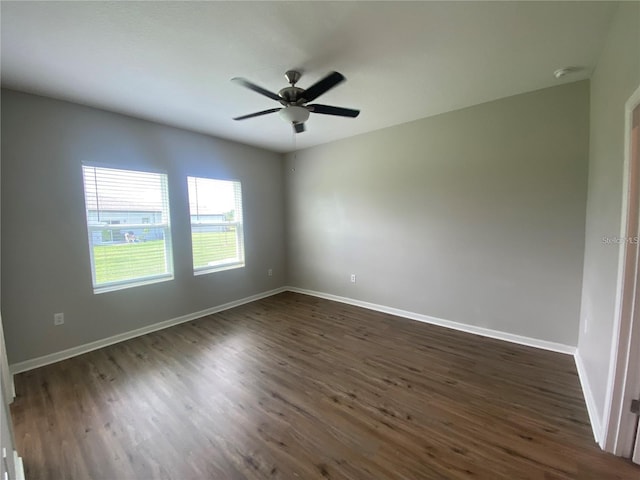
(295, 99)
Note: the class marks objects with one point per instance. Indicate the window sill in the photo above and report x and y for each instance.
(136, 283)
(218, 268)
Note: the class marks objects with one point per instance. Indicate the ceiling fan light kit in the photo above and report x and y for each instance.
(294, 99)
(294, 114)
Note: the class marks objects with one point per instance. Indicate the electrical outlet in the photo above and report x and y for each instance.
(270, 272)
(58, 318)
(353, 278)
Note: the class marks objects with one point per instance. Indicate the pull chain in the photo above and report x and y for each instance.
(293, 138)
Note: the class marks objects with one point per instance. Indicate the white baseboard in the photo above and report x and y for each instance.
(88, 347)
(17, 462)
(485, 332)
(596, 425)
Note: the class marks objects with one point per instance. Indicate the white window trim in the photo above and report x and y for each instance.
(138, 282)
(229, 264)
(106, 287)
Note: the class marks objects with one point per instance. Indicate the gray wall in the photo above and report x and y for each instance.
(616, 77)
(475, 216)
(44, 142)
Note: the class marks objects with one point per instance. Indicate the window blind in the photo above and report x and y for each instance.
(128, 225)
(217, 236)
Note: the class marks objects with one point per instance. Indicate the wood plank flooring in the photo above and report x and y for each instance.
(296, 387)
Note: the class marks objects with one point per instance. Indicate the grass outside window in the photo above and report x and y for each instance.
(118, 262)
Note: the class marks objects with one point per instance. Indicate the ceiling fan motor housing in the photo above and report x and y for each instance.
(290, 95)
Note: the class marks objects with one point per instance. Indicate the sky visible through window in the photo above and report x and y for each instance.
(112, 189)
(209, 196)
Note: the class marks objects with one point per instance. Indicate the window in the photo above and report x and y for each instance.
(128, 225)
(216, 224)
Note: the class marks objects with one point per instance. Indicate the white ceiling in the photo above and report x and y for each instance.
(171, 62)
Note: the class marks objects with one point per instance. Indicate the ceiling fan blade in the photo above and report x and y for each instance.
(318, 88)
(329, 110)
(299, 127)
(252, 86)
(257, 114)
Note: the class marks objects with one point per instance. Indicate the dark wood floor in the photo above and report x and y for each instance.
(295, 387)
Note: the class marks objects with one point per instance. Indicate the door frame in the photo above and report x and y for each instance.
(624, 365)
(6, 377)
